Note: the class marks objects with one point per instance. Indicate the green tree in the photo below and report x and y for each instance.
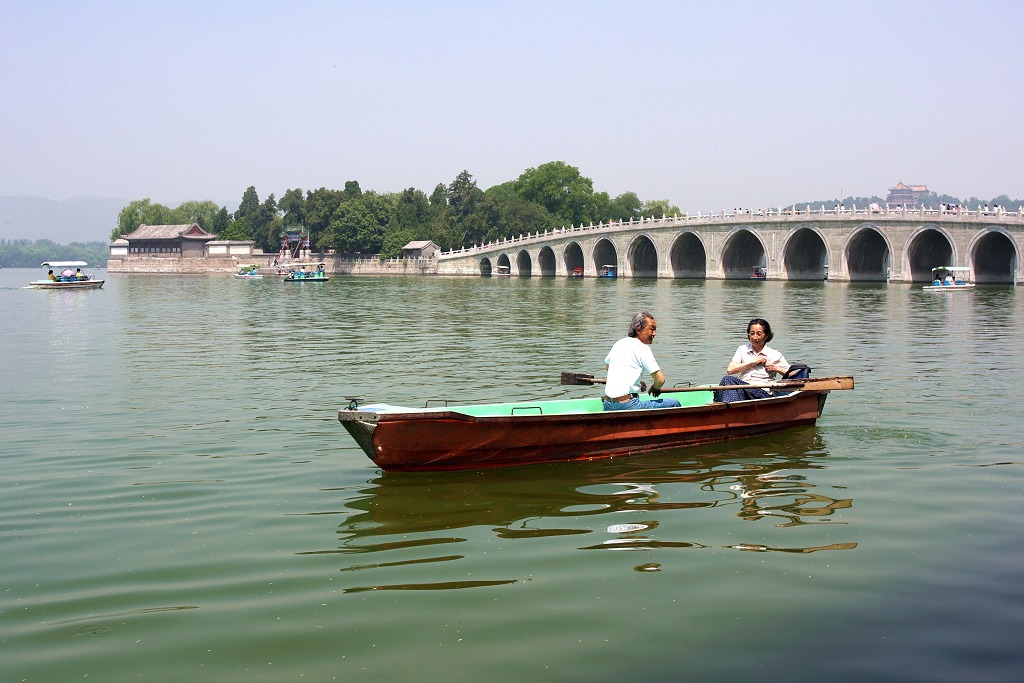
(190, 212)
(507, 214)
(439, 199)
(294, 207)
(249, 205)
(236, 230)
(394, 240)
(265, 225)
(358, 225)
(220, 221)
(659, 208)
(463, 221)
(463, 194)
(352, 190)
(320, 207)
(412, 210)
(381, 212)
(140, 212)
(625, 207)
(560, 189)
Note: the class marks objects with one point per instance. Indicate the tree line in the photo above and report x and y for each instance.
(456, 215)
(29, 254)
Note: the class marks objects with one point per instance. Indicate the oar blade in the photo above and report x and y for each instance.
(825, 383)
(577, 379)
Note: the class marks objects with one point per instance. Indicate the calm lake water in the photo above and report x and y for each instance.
(179, 501)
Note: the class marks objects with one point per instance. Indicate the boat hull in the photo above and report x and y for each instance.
(447, 439)
(949, 288)
(79, 284)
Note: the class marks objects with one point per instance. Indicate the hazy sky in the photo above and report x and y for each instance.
(710, 105)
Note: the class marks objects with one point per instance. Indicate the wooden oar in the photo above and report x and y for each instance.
(808, 384)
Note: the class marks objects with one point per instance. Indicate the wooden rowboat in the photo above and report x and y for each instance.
(502, 434)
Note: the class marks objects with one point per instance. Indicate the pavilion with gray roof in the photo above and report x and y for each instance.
(170, 240)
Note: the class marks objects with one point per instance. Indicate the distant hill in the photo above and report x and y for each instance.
(79, 219)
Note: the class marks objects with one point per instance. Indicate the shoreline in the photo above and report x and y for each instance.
(333, 265)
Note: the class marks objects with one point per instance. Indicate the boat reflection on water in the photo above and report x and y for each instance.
(765, 479)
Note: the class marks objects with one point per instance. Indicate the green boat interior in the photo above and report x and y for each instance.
(573, 406)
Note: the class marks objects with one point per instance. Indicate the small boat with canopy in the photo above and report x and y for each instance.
(248, 271)
(950, 279)
(66, 275)
(299, 273)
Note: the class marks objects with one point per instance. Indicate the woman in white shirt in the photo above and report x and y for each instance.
(753, 363)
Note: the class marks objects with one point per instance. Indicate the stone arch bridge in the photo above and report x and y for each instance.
(837, 244)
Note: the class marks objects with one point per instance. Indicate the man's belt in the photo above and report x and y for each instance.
(620, 399)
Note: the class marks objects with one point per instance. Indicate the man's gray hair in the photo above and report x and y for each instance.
(639, 322)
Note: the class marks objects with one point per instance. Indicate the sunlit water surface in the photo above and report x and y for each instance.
(179, 501)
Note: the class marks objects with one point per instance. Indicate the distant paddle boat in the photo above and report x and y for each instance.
(608, 272)
(527, 432)
(950, 279)
(66, 275)
(503, 270)
(303, 275)
(248, 272)
(761, 273)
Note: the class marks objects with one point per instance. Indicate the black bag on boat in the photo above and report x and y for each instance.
(797, 371)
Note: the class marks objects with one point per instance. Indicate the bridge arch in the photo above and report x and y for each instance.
(994, 256)
(604, 254)
(504, 263)
(546, 261)
(642, 256)
(524, 265)
(485, 266)
(927, 247)
(867, 254)
(572, 257)
(805, 254)
(742, 251)
(688, 256)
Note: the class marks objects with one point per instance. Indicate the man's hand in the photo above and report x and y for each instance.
(655, 392)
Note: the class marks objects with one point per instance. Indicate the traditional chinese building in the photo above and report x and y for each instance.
(175, 249)
(168, 240)
(906, 195)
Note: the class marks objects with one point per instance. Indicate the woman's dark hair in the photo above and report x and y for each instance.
(638, 323)
(768, 336)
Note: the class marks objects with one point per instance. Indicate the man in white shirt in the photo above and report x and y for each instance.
(627, 362)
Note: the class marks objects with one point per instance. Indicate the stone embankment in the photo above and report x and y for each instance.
(198, 265)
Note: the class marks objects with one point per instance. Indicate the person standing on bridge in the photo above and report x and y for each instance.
(629, 358)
